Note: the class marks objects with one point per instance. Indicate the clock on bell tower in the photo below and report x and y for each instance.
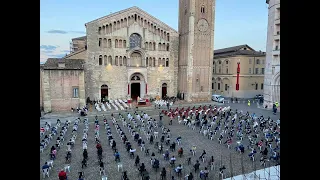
(196, 29)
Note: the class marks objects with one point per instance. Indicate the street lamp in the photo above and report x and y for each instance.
(238, 72)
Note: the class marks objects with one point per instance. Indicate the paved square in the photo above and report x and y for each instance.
(189, 137)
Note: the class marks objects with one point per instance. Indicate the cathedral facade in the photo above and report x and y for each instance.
(130, 53)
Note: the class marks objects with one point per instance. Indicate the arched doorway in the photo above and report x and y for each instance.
(104, 92)
(164, 90)
(137, 86)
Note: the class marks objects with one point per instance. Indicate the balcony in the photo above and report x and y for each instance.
(277, 21)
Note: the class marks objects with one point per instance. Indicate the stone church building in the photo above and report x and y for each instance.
(130, 53)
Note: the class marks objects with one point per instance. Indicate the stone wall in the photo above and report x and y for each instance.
(41, 89)
(117, 78)
(58, 89)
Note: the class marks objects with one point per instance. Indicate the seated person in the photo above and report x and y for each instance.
(178, 169)
(156, 163)
(204, 173)
(62, 175)
(117, 156)
(180, 152)
(172, 160)
(45, 166)
(142, 168)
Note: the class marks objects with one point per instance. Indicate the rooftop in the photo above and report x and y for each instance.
(237, 50)
(80, 38)
(69, 64)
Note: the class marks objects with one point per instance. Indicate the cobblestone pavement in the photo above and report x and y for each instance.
(221, 153)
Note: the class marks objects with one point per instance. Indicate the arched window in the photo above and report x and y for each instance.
(167, 62)
(99, 30)
(124, 61)
(105, 60)
(154, 46)
(120, 43)
(120, 61)
(104, 42)
(135, 40)
(103, 29)
(258, 61)
(202, 9)
(219, 62)
(227, 62)
(159, 47)
(116, 61)
(100, 60)
(147, 61)
(116, 43)
(124, 43)
(167, 46)
(100, 41)
(227, 70)
(110, 60)
(109, 43)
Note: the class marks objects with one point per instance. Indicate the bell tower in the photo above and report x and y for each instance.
(196, 37)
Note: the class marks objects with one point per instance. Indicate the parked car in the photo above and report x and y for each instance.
(259, 96)
(217, 98)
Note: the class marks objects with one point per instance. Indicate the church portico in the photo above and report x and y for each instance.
(137, 86)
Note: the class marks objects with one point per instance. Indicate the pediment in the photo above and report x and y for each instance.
(130, 12)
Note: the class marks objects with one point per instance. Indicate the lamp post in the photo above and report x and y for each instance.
(238, 72)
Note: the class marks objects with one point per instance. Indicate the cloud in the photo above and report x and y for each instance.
(48, 47)
(56, 31)
(51, 51)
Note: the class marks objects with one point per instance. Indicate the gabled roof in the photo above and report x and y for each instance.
(74, 53)
(232, 49)
(70, 64)
(80, 38)
(237, 50)
(133, 9)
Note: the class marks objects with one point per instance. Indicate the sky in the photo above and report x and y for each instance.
(237, 21)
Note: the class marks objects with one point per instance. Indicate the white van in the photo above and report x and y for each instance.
(217, 98)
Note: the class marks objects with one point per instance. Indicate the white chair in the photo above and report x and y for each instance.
(143, 148)
(104, 178)
(212, 166)
(102, 171)
(120, 167)
(41, 149)
(45, 172)
(50, 163)
(67, 168)
(203, 159)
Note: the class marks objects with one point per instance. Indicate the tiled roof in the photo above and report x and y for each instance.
(74, 53)
(235, 50)
(232, 49)
(70, 64)
(80, 38)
